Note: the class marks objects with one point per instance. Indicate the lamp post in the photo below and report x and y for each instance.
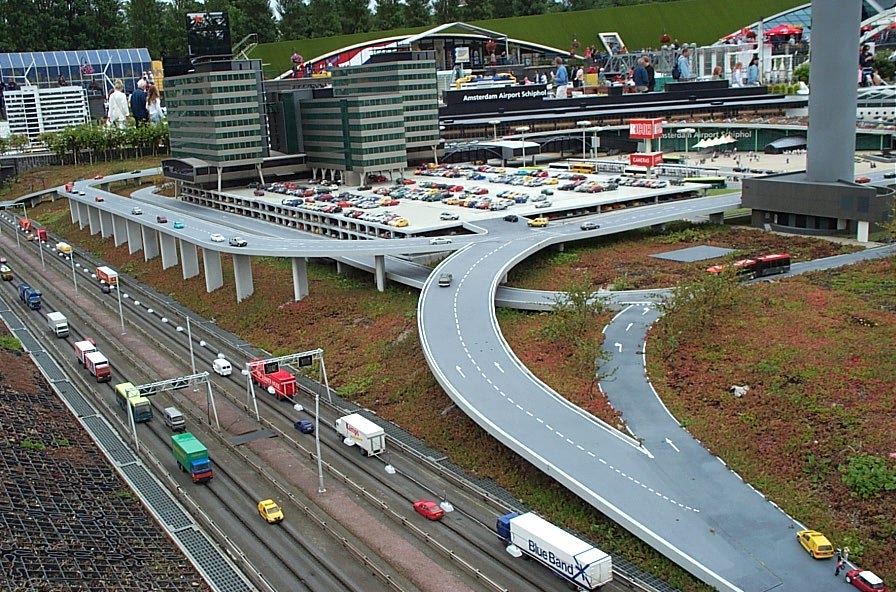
(522, 130)
(583, 124)
(495, 123)
(690, 132)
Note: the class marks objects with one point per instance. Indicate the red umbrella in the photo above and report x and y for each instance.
(784, 30)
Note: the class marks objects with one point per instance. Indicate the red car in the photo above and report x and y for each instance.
(258, 192)
(429, 509)
(863, 180)
(865, 580)
(98, 177)
(99, 198)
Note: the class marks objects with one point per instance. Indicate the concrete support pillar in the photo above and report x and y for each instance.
(168, 245)
(338, 267)
(73, 211)
(119, 230)
(93, 220)
(150, 242)
(299, 278)
(504, 279)
(189, 256)
(831, 143)
(105, 223)
(560, 247)
(862, 227)
(211, 263)
(83, 215)
(717, 218)
(135, 236)
(242, 275)
(379, 271)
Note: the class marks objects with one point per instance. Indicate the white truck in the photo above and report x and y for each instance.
(82, 348)
(570, 557)
(58, 324)
(360, 431)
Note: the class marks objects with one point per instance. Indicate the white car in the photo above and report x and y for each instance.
(217, 238)
(449, 216)
(440, 240)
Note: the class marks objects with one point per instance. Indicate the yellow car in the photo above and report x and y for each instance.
(270, 511)
(816, 544)
(539, 222)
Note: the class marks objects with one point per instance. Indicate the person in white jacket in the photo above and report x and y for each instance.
(737, 75)
(118, 105)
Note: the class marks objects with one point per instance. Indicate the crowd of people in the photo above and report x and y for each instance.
(144, 104)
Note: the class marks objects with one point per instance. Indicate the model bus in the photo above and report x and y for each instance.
(673, 159)
(713, 182)
(757, 266)
(582, 167)
(635, 171)
(128, 396)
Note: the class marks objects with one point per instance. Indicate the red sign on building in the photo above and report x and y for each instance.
(645, 128)
(648, 159)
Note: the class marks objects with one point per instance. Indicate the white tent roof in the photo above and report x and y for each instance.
(713, 142)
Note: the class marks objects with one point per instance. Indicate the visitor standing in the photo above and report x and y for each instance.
(737, 75)
(753, 72)
(866, 65)
(138, 104)
(651, 74)
(154, 104)
(561, 78)
(684, 66)
(118, 105)
(639, 75)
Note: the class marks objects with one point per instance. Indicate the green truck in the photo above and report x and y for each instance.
(192, 456)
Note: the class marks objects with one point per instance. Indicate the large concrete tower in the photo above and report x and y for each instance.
(832, 103)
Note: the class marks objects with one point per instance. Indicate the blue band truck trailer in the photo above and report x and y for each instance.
(572, 558)
(192, 456)
(30, 296)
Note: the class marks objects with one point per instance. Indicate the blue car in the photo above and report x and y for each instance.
(306, 426)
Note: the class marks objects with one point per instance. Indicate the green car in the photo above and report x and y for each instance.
(547, 192)
(178, 224)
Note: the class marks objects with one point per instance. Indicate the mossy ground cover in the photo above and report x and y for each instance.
(373, 356)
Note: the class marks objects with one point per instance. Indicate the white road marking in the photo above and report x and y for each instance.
(459, 371)
(674, 447)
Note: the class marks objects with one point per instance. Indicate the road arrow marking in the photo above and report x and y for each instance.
(674, 447)
(459, 371)
(618, 346)
(646, 310)
(629, 326)
(498, 366)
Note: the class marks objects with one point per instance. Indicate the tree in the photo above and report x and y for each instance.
(390, 14)
(295, 22)
(510, 8)
(173, 26)
(141, 13)
(417, 13)
(477, 10)
(323, 15)
(355, 16)
(445, 11)
(255, 16)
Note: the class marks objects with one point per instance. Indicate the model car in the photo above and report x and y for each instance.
(863, 180)
(817, 545)
(445, 280)
(428, 509)
(440, 240)
(98, 177)
(865, 580)
(539, 222)
(216, 238)
(364, 188)
(543, 204)
(81, 193)
(161, 219)
(448, 216)
(238, 241)
(306, 426)
(270, 511)
(889, 175)
(589, 226)
(99, 198)
(136, 172)
(136, 211)
(178, 224)
(258, 192)
(511, 218)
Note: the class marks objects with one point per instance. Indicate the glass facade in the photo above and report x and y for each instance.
(93, 69)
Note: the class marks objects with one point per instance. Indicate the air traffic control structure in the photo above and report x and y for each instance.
(824, 199)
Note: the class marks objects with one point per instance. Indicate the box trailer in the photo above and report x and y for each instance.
(82, 348)
(57, 323)
(192, 456)
(572, 558)
(362, 432)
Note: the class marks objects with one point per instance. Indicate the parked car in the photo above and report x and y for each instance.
(258, 192)
(136, 211)
(440, 240)
(865, 580)
(543, 204)
(428, 509)
(589, 226)
(238, 241)
(161, 219)
(448, 216)
(511, 218)
(817, 545)
(364, 188)
(270, 511)
(178, 224)
(217, 238)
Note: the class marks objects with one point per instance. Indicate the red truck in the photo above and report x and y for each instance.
(98, 366)
(269, 375)
(24, 224)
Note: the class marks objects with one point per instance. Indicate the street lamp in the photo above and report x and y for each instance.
(495, 123)
(583, 125)
(689, 131)
(522, 130)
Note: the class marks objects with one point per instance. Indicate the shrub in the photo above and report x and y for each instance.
(868, 476)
